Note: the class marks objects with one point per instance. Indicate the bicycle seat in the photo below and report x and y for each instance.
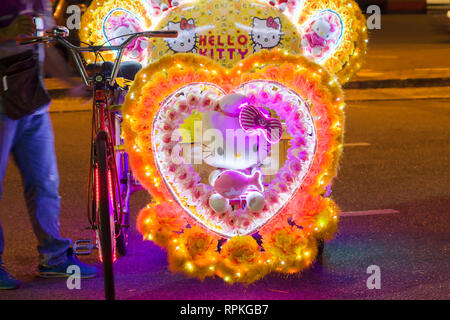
(127, 69)
(100, 67)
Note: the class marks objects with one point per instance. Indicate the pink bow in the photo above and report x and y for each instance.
(315, 40)
(271, 23)
(185, 25)
(252, 119)
(332, 28)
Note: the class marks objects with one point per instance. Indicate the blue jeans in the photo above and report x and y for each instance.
(31, 142)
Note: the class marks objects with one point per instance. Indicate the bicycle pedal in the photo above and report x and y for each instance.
(82, 247)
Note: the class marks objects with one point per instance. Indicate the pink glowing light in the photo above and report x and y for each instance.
(252, 119)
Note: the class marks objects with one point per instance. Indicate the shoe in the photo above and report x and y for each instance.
(62, 271)
(7, 281)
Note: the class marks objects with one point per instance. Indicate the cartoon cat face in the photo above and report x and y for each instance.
(118, 26)
(121, 31)
(187, 37)
(118, 29)
(227, 146)
(323, 29)
(266, 33)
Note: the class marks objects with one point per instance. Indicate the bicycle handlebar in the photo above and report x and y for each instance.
(92, 48)
(59, 34)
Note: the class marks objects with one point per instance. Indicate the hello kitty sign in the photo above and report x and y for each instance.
(329, 32)
(226, 32)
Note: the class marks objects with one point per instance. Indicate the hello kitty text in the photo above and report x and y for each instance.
(264, 34)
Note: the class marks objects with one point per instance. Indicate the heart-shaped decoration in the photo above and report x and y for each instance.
(186, 184)
(291, 89)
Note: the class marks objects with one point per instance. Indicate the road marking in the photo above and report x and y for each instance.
(278, 291)
(383, 56)
(368, 212)
(369, 74)
(427, 69)
(357, 144)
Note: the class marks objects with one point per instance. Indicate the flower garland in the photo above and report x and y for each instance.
(289, 238)
(349, 54)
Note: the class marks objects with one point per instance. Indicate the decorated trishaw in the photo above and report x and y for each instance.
(235, 127)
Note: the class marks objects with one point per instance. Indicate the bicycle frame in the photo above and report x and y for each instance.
(102, 87)
(102, 122)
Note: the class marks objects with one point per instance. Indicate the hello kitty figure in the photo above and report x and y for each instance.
(282, 4)
(187, 36)
(318, 39)
(161, 5)
(237, 150)
(123, 25)
(266, 33)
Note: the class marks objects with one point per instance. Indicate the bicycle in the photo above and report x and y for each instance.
(110, 178)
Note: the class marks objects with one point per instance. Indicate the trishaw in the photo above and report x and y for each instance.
(234, 125)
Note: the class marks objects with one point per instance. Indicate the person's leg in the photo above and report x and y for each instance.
(7, 133)
(34, 154)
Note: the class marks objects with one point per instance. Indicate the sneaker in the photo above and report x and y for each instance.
(61, 271)
(7, 281)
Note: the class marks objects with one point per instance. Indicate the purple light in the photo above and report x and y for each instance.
(252, 118)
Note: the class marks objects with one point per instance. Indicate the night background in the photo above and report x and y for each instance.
(392, 186)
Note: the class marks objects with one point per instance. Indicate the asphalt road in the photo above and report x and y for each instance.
(397, 156)
(408, 46)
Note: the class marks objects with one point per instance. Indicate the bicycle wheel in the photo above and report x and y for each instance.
(106, 229)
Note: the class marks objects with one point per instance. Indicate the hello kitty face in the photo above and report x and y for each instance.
(227, 146)
(187, 37)
(323, 29)
(266, 33)
(118, 29)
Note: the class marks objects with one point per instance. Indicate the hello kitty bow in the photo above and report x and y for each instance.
(186, 25)
(271, 23)
(252, 119)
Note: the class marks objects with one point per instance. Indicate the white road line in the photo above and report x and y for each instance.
(278, 291)
(368, 212)
(369, 74)
(427, 69)
(383, 56)
(357, 144)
